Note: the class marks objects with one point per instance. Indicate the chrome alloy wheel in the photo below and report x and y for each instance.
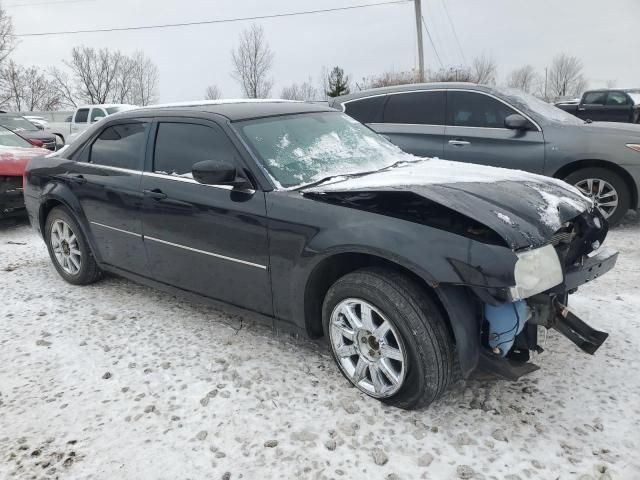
(602, 193)
(368, 347)
(64, 244)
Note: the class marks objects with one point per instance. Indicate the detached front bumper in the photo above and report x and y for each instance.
(590, 269)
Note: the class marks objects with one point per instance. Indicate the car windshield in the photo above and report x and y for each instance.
(10, 139)
(304, 148)
(635, 96)
(538, 106)
(17, 124)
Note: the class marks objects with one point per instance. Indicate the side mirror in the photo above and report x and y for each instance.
(97, 119)
(210, 172)
(515, 121)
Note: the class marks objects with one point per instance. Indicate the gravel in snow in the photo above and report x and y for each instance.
(117, 380)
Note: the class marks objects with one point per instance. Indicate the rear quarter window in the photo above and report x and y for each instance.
(366, 110)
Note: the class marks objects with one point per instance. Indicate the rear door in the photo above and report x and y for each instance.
(619, 107)
(106, 181)
(207, 239)
(80, 119)
(415, 122)
(475, 133)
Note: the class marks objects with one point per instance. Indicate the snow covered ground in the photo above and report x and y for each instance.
(118, 381)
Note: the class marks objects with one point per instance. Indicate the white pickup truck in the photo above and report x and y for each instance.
(82, 118)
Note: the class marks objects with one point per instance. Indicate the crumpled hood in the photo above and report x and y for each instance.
(523, 208)
(13, 160)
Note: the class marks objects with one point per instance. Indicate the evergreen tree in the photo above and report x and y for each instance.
(338, 83)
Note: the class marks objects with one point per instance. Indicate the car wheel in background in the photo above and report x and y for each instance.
(388, 337)
(608, 190)
(68, 248)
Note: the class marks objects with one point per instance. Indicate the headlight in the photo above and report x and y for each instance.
(633, 146)
(536, 271)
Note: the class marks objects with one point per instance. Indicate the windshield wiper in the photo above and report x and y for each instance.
(349, 175)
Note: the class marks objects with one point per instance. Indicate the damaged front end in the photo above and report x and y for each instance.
(509, 330)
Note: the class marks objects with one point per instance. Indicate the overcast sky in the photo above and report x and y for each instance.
(604, 34)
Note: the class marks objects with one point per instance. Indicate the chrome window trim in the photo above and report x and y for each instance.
(166, 176)
(116, 229)
(449, 90)
(204, 252)
(109, 167)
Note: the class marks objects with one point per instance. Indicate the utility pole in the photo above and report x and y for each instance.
(418, 6)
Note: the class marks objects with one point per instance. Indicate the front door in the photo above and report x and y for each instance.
(475, 133)
(106, 181)
(207, 239)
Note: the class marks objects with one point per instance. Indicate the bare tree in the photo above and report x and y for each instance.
(611, 83)
(566, 77)
(252, 60)
(96, 73)
(144, 83)
(123, 86)
(304, 92)
(26, 89)
(453, 74)
(63, 87)
(7, 39)
(324, 82)
(212, 93)
(484, 70)
(523, 78)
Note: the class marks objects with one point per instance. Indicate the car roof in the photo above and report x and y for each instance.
(107, 105)
(410, 87)
(234, 110)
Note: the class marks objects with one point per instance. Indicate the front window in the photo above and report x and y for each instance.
(18, 124)
(10, 139)
(305, 148)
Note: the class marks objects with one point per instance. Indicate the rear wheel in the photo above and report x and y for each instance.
(388, 337)
(608, 190)
(69, 249)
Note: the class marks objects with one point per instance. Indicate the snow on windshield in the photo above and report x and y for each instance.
(301, 149)
(551, 112)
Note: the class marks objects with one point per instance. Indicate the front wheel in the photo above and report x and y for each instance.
(608, 190)
(388, 337)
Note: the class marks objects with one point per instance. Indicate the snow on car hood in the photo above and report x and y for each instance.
(525, 209)
(13, 160)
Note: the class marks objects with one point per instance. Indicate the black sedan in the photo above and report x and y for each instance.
(29, 131)
(318, 225)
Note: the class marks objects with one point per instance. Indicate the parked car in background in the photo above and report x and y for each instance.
(29, 131)
(86, 115)
(507, 128)
(38, 121)
(15, 153)
(300, 214)
(606, 106)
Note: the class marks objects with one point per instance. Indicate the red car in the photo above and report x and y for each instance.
(15, 153)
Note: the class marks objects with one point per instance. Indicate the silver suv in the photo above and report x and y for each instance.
(507, 128)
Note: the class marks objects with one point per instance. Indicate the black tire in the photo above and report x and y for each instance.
(611, 177)
(89, 271)
(417, 319)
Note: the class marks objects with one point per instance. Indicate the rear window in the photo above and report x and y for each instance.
(82, 115)
(595, 98)
(617, 98)
(426, 108)
(366, 110)
(120, 146)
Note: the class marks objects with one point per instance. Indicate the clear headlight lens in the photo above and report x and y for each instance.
(536, 271)
(634, 146)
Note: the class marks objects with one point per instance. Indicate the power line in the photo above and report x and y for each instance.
(17, 5)
(210, 22)
(424, 24)
(455, 33)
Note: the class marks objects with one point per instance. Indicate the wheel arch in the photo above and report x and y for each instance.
(456, 303)
(569, 168)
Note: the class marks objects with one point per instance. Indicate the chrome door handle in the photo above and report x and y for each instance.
(459, 143)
